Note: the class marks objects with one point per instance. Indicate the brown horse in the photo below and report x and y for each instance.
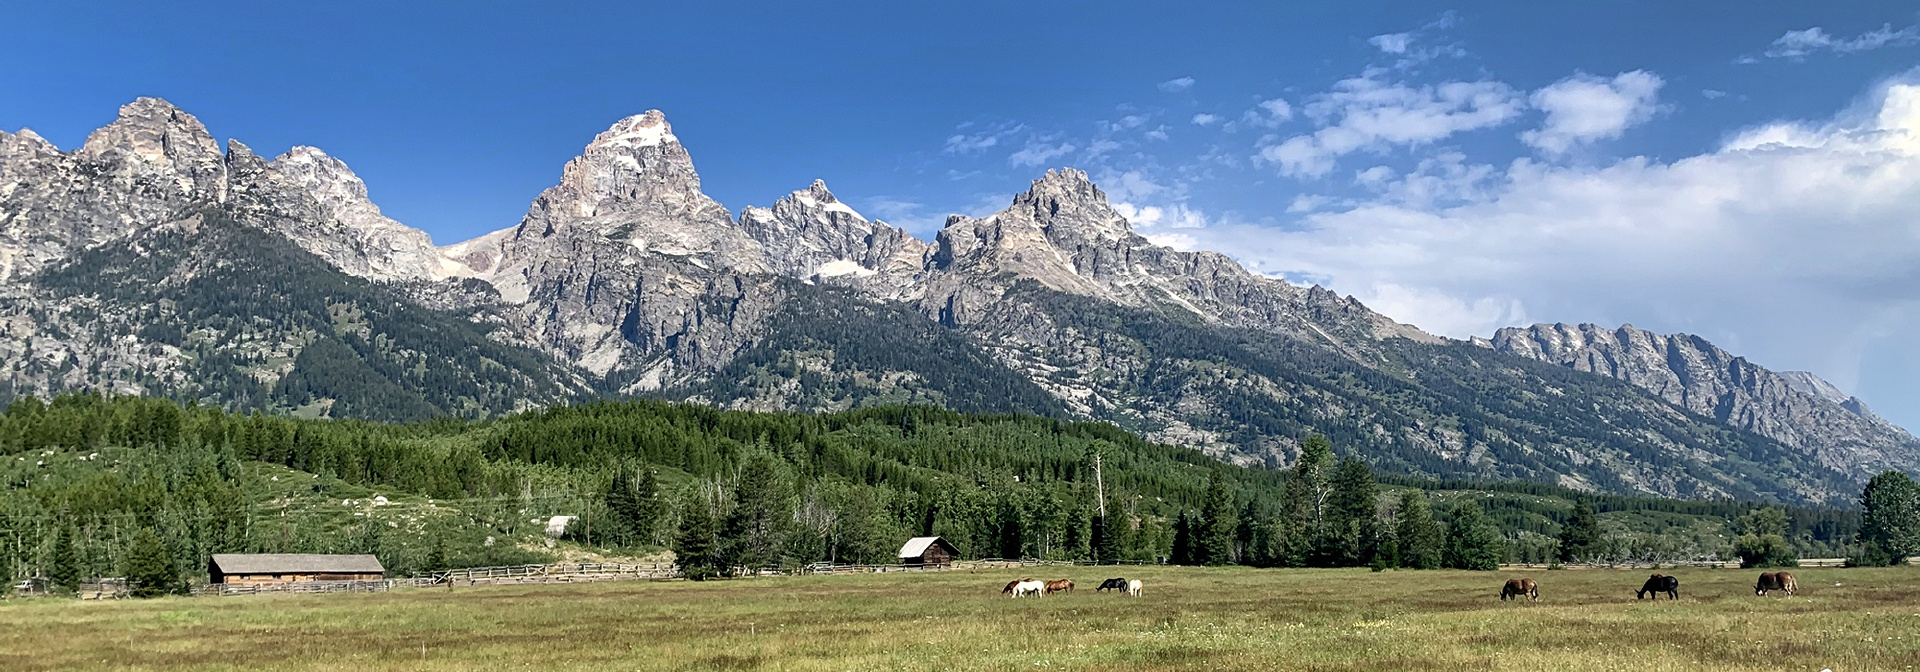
(1515, 588)
(1061, 586)
(1657, 584)
(1771, 581)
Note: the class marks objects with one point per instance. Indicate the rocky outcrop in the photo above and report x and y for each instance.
(152, 165)
(1064, 235)
(811, 235)
(1795, 408)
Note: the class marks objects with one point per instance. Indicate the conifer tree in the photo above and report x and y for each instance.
(150, 567)
(1890, 518)
(1420, 537)
(1305, 503)
(695, 548)
(623, 507)
(1218, 524)
(63, 569)
(1182, 553)
(1355, 516)
(1580, 532)
(1472, 540)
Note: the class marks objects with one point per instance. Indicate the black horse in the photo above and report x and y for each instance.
(1657, 584)
(1112, 584)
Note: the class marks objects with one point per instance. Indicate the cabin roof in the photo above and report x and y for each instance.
(296, 563)
(918, 546)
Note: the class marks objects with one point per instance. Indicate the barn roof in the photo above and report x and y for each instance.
(296, 563)
(918, 546)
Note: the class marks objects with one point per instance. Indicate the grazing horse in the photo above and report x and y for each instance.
(1061, 586)
(1029, 587)
(1112, 584)
(1011, 585)
(1771, 581)
(1518, 587)
(1133, 588)
(1657, 584)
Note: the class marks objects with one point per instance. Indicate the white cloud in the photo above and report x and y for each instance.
(982, 140)
(1797, 44)
(1177, 85)
(1038, 152)
(1584, 108)
(1712, 94)
(1793, 243)
(1204, 119)
(1370, 113)
(1392, 43)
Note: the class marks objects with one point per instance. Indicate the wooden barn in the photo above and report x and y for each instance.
(928, 551)
(291, 567)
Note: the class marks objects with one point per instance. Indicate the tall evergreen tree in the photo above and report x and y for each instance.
(753, 531)
(695, 548)
(150, 567)
(1421, 539)
(1472, 540)
(1218, 524)
(63, 569)
(1182, 553)
(1305, 503)
(1578, 535)
(647, 506)
(623, 507)
(1355, 513)
(1103, 546)
(1890, 518)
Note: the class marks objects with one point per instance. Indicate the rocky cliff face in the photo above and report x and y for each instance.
(625, 278)
(1795, 408)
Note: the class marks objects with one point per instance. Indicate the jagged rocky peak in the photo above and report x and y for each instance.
(151, 136)
(1800, 411)
(810, 234)
(318, 202)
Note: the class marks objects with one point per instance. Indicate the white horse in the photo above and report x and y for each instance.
(1133, 588)
(1034, 588)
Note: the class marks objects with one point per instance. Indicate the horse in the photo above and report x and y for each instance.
(1657, 584)
(1771, 581)
(1029, 587)
(1011, 585)
(1112, 584)
(1518, 587)
(1133, 588)
(1061, 586)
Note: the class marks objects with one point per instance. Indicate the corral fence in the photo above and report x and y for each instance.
(228, 589)
(565, 572)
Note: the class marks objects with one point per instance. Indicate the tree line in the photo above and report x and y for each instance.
(729, 490)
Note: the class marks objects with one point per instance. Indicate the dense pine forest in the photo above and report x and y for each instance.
(94, 484)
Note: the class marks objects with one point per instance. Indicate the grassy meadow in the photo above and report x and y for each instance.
(1188, 619)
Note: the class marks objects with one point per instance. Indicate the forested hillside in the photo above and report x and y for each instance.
(86, 474)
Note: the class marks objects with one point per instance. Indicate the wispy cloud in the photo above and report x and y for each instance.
(1798, 44)
(1371, 112)
(981, 140)
(1584, 108)
(1177, 85)
(1038, 152)
(1204, 119)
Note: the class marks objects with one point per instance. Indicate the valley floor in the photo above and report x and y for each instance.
(1188, 619)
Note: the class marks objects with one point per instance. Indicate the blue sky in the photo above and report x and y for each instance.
(1744, 171)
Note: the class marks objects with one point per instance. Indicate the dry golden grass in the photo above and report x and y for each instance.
(1189, 619)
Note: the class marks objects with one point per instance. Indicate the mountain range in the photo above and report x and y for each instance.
(151, 261)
